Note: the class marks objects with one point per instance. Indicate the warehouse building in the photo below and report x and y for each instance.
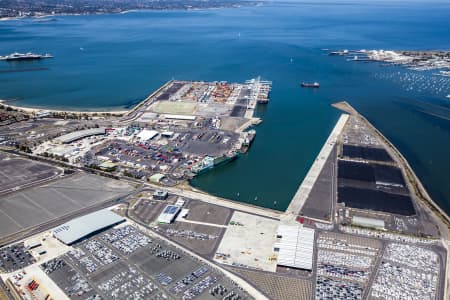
(78, 135)
(295, 247)
(160, 195)
(167, 134)
(156, 178)
(168, 214)
(146, 135)
(368, 222)
(179, 117)
(83, 227)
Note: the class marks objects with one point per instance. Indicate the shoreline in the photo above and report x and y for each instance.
(126, 11)
(33, 110)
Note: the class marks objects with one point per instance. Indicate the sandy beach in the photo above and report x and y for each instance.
(32, 110)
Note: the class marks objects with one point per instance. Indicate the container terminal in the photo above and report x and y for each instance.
(182, 130)
(360, 226)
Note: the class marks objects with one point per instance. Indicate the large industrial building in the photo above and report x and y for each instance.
(168, 214)
(295, 247)
(146, 135)
(82, 227)
(368, 222)
(80, 134)
(179, 117)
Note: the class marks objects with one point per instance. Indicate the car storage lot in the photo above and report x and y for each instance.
(45, 203)
(125, 263)
(202, 239)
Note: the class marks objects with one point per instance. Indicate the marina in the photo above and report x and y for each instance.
(413, 60)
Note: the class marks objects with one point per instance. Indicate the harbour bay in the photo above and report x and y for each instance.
(114, 61)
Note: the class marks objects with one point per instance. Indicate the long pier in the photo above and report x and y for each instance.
(306, 186)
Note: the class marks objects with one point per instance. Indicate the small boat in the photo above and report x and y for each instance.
(24, 56)
(448, 96)
(310, 85)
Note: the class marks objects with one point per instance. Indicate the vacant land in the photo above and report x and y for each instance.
(16, 172)
(41, 204)
(249, 242)
(174, 107)
(208, 213)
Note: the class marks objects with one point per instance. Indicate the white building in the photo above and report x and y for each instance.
(295, 247)
(368, 222)
(81, 227)
(179, 117)
(146, 135)
(168, 214)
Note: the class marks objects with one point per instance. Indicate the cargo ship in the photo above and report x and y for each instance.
(310, 85)
(209, 162)
(24, 56)
(248, 140)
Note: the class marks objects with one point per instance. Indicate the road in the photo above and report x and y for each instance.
(255, 210)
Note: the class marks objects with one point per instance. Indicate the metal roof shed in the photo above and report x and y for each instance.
(81, 227)
(296, 246)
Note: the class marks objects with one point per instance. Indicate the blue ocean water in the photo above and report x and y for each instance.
(114, 61)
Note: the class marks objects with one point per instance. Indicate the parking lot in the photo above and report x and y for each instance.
(357, 133)
(124, 263)
(327, 288)
(43, 129)
(278, 287)
(407, 272)
(15, 257)
(200, 238)
(344, 265)
(37, 205)
(213, 143)
(173, 154)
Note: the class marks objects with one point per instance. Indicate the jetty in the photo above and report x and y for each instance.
(308, 182)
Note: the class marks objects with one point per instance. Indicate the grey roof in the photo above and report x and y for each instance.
(76, 135)
(80, 227)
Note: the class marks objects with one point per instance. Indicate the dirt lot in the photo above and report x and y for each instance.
(147, 211)
(15, 172)
(208, 213)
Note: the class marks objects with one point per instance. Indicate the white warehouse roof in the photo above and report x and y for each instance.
(76, 135)
(168, 214)
(180, 117)
(80, 227)
(146, 134)
(296, 247)
(368, 222)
